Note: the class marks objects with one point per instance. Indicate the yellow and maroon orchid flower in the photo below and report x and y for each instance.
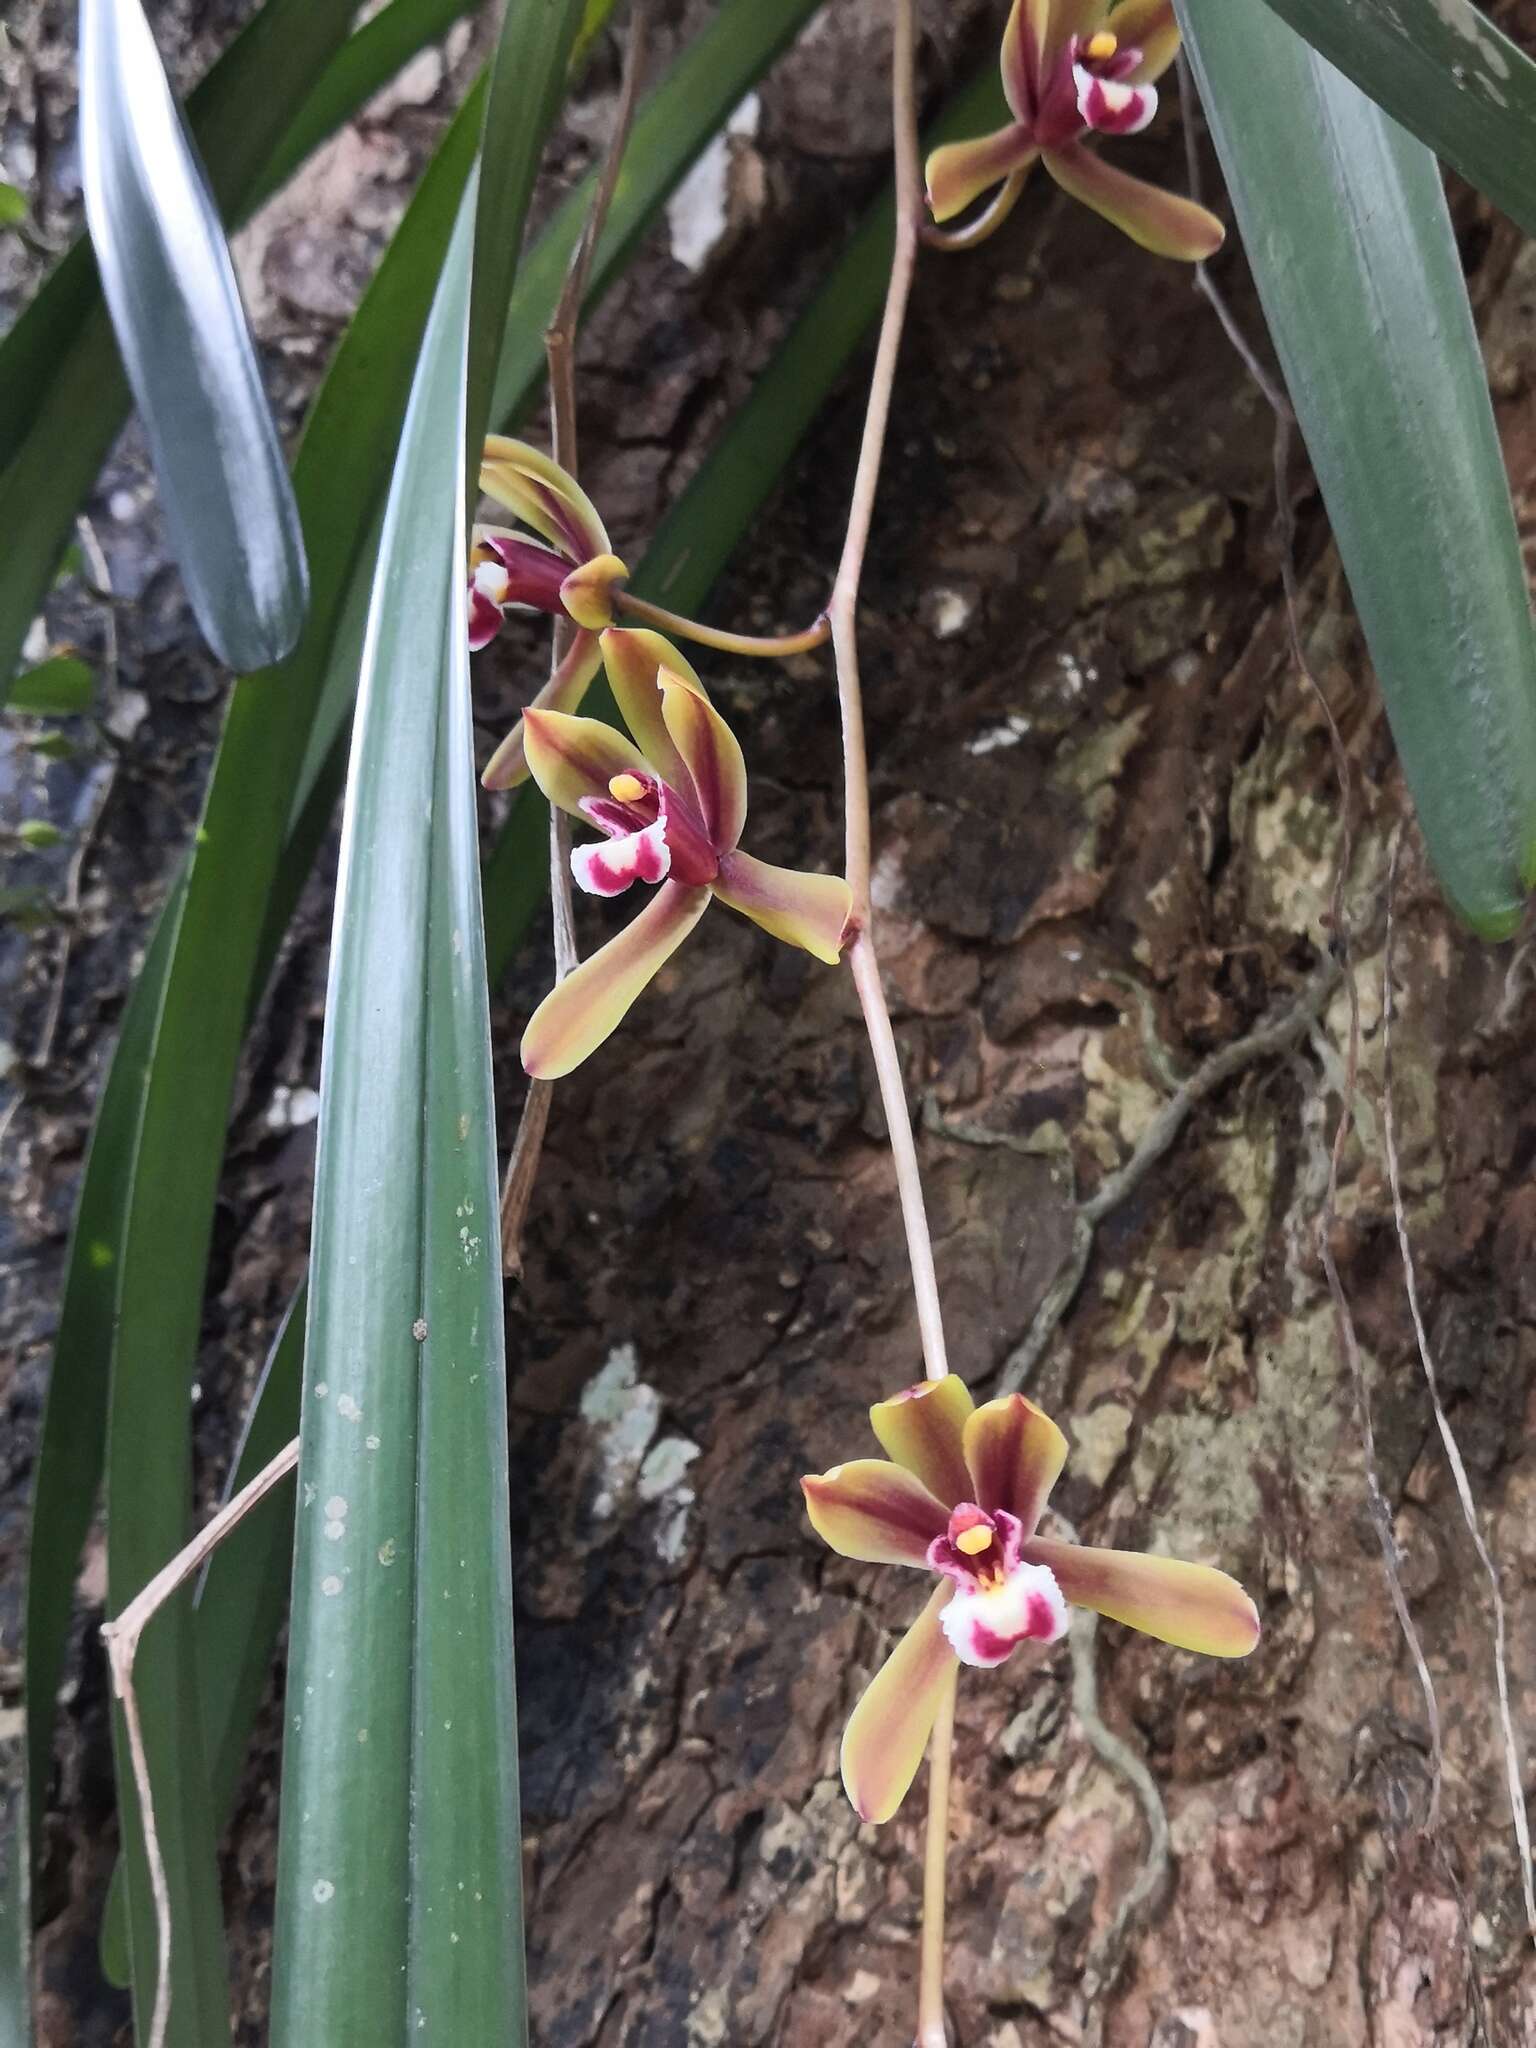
(570, 569)
(962, 1495)
(1072, 69)
(672, 808)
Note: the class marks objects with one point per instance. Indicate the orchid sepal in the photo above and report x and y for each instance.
(584, 1009)
(539, 491)
(1162, 222)
(874, 1512)
(805, 910)
(564, 692)
(888, 1730)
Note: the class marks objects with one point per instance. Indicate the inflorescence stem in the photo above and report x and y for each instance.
(772, 644)
(843, 615)
(931, 2030)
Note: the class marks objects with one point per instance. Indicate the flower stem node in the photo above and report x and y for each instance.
(962, 1494)
(1067, 77)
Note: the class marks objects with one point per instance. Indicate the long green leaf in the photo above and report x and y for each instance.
(1346, 227)
(15, 1900)
(383, 45)
(196, 1042)
(399, 1870)
(185, 343)
(64, 394)
(73, 1441)
(527, 74)
(1444, 70)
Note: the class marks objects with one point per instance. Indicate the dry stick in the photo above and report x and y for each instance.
(843, 613)
(560, 349)
(1442, 1422)
(931, 2029)
(121, 1636)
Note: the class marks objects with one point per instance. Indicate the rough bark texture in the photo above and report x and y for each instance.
(1107, 823)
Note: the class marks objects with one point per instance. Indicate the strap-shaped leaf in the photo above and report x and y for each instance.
(1346, 227)
(399, 1906)
(1444, 70)
(277, 91)
(177, 1144)
(187, 349)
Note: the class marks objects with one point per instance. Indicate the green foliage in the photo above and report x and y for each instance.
(182, 335)
(1444, 70)
(1346, 227)
(58, 688)
(399, 1883)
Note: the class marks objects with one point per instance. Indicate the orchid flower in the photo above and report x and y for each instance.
(963, 1498)
(672, 809)
(1073, 68)
(570, 570)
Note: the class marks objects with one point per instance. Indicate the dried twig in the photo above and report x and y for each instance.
(560, 340)
(121, 1636)
(1447, 1434)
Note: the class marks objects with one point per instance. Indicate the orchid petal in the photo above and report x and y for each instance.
(575, 1017)
(539, 491)
(1159, 221)
(587, 593)
(804, 910)
(986, 1624)
(1110, 106)
(484, 618)
(634, 656)
(563, 692)
(572, 758)
(1151, 27)
(533, 571)
(611, 866)
(875, 1512)
(1014, 1454)
(923, 1428)
(1192, 1606)
(712, 755)
(1023, 44)
(962, 171)
(885, 1738)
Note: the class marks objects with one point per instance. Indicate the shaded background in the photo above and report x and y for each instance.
(1107, 821)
